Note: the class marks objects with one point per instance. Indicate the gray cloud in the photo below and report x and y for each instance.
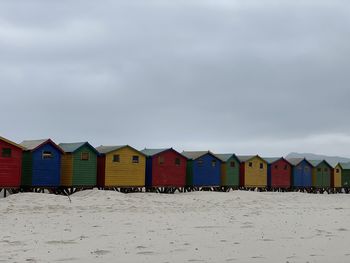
(242, 76)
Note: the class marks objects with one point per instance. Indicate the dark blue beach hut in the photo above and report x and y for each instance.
(41, 166)
(203, 169)
(302, 172)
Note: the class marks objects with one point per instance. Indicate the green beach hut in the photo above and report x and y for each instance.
(78, 165)
(321, 173)
(229, 170)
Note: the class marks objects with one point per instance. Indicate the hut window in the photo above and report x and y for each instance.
(286, 167)
(116, 158)
(161, 159)
(200, 162)
(318, 169)
(261, 165)
(213, 163)
(6, 152)
(306, 169)
(276, 166)
(250, 164)
(177, 161)
(326, 169)
(135, 159)
(85, 156)
(232, 164)
(47, 155)
(337, 170)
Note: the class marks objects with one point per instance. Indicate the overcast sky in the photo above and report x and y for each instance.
(267, 77)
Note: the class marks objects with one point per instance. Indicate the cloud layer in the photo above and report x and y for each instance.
(239, 76)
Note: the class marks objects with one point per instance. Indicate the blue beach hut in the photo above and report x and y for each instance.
(41, 165)
(302, 172)
(203, 169)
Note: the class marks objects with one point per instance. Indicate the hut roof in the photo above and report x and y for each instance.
(72, 147)
(244, 158)
(107, 149)
(193, 155)
(295, 161)
(345, 166)
(225, 156)
(316, 163)
(271, 160)
(102, 149)
(11, 143)
(151, 152)
(32, 145)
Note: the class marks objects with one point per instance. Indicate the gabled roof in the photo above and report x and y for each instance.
(107, 149)
(245, 158)
(193, 155)
(271, 160)
(316, 163)
(344, 166)
(226, 156)
(32, 145)
(11, 143)
(73, 147)
(297, 161)
(152, 152)
(102, 149)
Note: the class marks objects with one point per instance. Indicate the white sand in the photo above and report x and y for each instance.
(101, 226)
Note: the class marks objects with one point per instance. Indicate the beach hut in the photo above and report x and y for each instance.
(301, 172)
(41, 165)
(279, 172)
(120, 166)
(203, 169)
(321, 173)
(165, 168)
(79, 165)
(253, 171)
(342, 175)
(10, 164)
(229, 169)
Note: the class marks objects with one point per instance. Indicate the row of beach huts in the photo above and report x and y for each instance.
(36, 164)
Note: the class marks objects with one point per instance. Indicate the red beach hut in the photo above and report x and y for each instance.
(165, 168)
(279, 173)
(10, 164)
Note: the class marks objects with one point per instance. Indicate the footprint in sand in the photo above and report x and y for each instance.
(66, 259)
(56, 242)
(342, 229)
(145, 253)
(100, 252)
(31, 260)
(247, 226)
(140, 247)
